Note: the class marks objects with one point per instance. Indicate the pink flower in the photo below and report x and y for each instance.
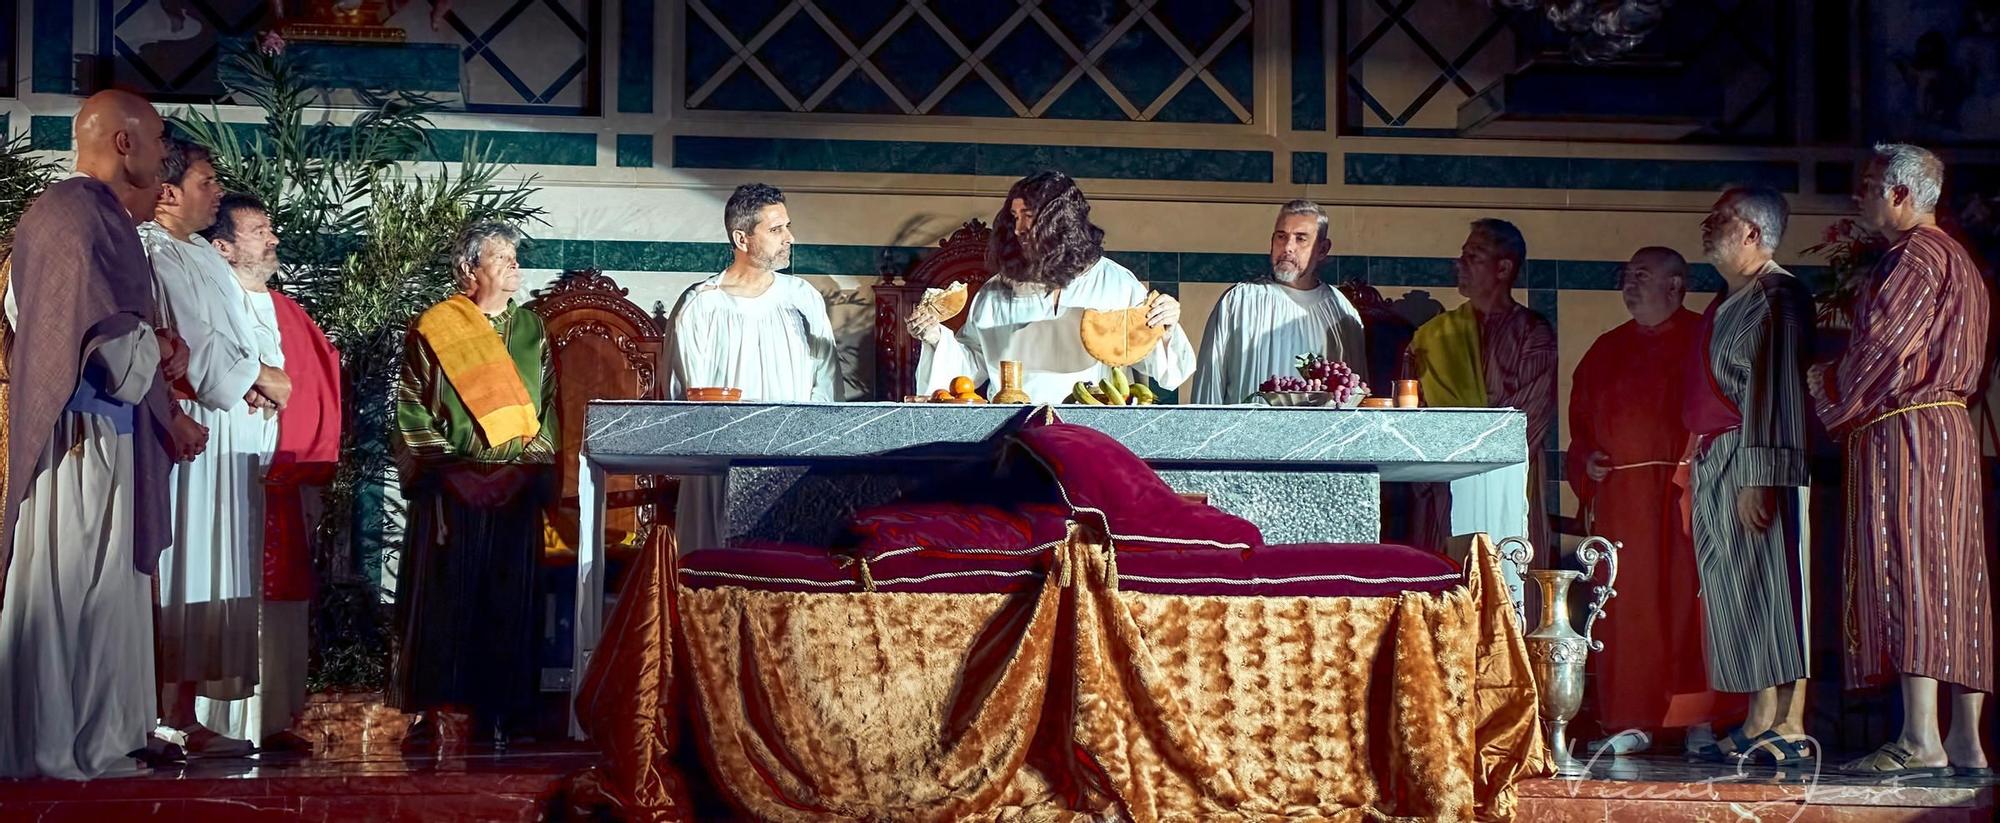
(271, 44)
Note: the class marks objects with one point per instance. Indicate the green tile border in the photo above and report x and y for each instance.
(635, 151)
(1162, 269)
(987, 159)
(430, 68)
(512, 146)
(1309, 168)
(49, 133)
(1514, 172)
(635, 56)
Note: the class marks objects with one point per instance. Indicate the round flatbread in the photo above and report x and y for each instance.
(946, 303)
(1121, 337)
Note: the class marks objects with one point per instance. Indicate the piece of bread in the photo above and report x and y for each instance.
(946, 303)
(1121, 337)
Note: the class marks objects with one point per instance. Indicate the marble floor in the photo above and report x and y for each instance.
(523, 786)
(1666, 787)
(518, 786)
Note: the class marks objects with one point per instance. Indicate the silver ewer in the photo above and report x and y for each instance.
(1556, 652)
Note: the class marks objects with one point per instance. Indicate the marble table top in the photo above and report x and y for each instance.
(1405, 445)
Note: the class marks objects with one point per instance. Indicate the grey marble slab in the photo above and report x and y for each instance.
(1401, 445)
(1293, 506)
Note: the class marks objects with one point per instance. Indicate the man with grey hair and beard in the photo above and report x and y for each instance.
(476, 442)
(1262, 324)
(1746, 409)
(1919, 610)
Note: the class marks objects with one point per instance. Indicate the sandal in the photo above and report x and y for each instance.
(1738, 744)
(1892, 760)
(1783, 752)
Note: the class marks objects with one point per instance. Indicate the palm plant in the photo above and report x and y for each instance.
(367, 237)
(23, 176)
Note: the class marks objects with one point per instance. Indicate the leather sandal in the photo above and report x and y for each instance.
(1892, 760)
(1783, 752)
(1738, 744)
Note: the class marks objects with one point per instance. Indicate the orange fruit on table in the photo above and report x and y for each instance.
(941, 396)
(969, 397)
(962, 385)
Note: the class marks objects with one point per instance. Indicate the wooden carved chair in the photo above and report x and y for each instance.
(604, 348)
(960, 258)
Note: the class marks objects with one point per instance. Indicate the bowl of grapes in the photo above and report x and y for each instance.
(1319, 382)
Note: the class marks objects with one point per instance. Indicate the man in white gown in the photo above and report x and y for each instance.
(92, 432)
(750, 328)
(211, 580)
(1261, 325)
(243, 235)
(1048, 265)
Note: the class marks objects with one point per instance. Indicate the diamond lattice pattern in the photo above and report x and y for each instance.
(1165, 60)
(531, 56)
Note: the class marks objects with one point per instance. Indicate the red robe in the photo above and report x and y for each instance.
(1625, 401)
(307, 454)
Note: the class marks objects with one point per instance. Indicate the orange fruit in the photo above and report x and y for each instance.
(970, 397)
(962, 385)
(941, 396)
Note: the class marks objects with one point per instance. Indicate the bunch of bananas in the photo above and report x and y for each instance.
(1115, 390)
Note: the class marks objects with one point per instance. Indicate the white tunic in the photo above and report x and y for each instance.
(211, 580)
(777, 346)
(76, 633)
(1044, 332)
(282, 639)
(1260, 326)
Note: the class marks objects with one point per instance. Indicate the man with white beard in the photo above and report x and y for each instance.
(1261, 325)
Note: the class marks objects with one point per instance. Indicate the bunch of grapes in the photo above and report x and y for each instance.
(1285, 382)
(1330, 375)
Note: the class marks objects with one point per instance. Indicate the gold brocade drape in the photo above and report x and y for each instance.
(1075, 699)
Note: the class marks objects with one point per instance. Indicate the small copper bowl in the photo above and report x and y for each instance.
(1377, 403)
(715, 395)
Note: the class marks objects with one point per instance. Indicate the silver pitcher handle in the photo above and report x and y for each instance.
(1589, 554)
(1521, 553)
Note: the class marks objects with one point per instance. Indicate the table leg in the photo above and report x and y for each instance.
(588, 621)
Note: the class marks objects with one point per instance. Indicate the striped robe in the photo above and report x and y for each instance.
(1916, 588)
(1753, 583)
(1517, 359)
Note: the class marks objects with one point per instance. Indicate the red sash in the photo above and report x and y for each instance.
(307, 454)
(1705, 411)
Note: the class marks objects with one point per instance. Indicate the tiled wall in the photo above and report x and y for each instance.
(891, 122)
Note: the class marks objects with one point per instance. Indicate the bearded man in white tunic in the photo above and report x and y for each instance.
(1260, 326)
(211, 580)
(1048, 265)
(751, 328)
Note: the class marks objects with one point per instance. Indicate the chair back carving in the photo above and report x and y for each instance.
(603, 348)
(960, 258)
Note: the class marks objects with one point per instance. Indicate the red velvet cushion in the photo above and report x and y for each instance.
(792, 568)
(1292, 570)
(770, 567)
(941, 525)
(1098, 475)
(959, 571)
